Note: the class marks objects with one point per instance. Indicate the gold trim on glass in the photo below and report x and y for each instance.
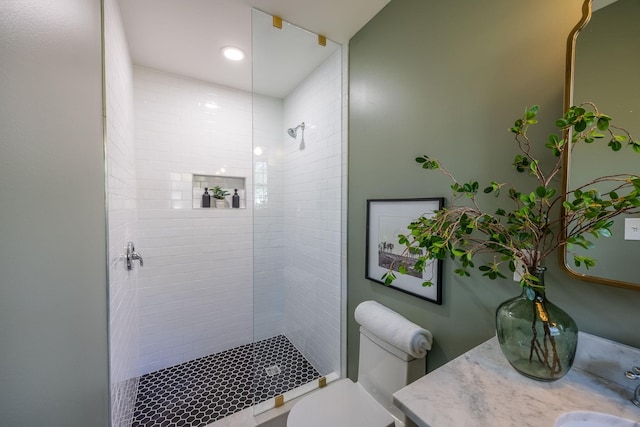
(277, 22)
(322, 382)
(279, 400)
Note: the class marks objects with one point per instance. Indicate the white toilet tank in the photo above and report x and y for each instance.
(385, 366)
(383, 369)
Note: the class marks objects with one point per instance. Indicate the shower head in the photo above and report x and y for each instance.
(293, 132)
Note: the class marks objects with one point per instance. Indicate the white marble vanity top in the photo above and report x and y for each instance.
(480, 388)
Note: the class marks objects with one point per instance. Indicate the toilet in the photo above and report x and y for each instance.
(391, 357)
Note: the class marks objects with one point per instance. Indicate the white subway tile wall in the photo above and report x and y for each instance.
(269, 243)
(122, 218)
(196, 286)
(313, 216)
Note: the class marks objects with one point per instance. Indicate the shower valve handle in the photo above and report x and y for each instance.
(132, 255)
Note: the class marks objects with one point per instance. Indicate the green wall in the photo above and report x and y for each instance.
(54, 359)
(447, 79)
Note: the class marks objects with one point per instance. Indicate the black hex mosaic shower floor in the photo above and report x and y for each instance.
(201, 391)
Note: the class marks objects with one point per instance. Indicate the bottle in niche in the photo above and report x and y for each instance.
(235, 199)
(206, 198)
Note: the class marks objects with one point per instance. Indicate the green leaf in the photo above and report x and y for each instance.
(603, 123)
(587, 261)
(388, 278)
(458, 252)
(615, 144)
(580, 126)
(531, 112)
(541, 191)
(428, 163)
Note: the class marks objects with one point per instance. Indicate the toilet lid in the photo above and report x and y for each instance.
(341, 404)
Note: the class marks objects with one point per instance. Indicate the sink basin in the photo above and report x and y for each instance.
(593, 419)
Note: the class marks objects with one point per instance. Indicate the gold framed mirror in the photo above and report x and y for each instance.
(603, 65)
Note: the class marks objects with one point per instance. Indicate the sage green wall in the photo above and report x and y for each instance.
(53, 291)
(447, 79)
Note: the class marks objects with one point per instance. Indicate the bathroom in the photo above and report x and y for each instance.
(415, 59)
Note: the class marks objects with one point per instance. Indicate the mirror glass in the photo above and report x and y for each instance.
(606, 70)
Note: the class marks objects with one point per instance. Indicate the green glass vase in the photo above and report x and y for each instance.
(537, 337)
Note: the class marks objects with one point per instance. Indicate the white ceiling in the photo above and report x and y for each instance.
(186, 36)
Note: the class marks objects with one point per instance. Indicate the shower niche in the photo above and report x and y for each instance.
(229, 184)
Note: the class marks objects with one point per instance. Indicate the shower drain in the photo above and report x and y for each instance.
(272, 370)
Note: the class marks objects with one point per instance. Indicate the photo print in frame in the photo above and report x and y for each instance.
(386, 218)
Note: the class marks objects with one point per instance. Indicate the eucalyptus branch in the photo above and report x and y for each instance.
(623, 177)
(531, 230)
(584, 226)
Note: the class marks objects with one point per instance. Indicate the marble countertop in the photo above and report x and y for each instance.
(480, 388)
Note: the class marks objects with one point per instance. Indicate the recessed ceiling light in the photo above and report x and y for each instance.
(233, 53)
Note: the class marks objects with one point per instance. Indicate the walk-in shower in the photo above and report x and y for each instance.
(235, 306)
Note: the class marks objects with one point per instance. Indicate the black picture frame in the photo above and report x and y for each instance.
(386, 218)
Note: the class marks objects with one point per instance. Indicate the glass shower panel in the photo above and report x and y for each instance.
(297, 193)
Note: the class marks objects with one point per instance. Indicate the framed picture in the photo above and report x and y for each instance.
(385, 220)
